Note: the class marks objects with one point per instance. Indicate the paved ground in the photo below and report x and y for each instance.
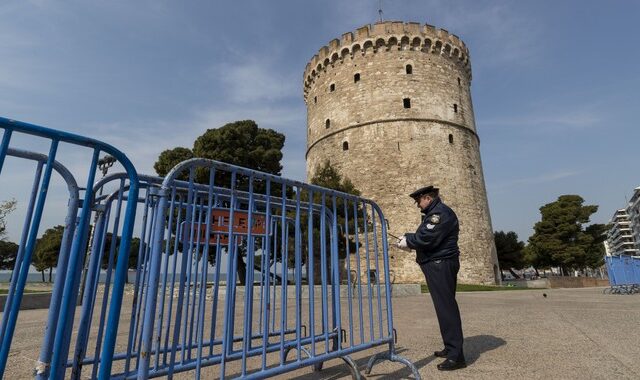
(570, 334)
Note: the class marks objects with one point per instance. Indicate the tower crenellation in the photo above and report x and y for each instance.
(390, 106)
(386, 36)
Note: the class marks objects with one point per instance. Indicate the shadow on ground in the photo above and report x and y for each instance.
(474, 347)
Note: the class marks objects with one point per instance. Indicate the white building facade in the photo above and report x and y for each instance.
(633, 210)
(624, 236)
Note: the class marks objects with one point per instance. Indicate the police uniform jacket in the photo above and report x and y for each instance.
(437, 235)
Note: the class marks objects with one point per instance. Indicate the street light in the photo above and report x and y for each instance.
(105, 163)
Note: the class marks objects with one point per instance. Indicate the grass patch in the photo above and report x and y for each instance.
(476, 288)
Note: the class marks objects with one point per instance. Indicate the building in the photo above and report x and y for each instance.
(620, 240)
(390, 106)
(633, 210)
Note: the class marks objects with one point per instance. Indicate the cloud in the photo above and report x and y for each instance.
(255, 80)
(143, 141)
(499, 33)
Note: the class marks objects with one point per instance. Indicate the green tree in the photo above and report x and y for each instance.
(170, 158)
(6, 208)
(595, 252)
(47, 250)
(240, 143)
(510, 251)
(8, 253)
(134, 248)
(559, 238)
(244, 144)
(326, 175)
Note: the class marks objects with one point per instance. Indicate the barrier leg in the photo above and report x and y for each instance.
(355, 373)
(392, 356)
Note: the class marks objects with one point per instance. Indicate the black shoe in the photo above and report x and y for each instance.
(450, 365)
(441, 354)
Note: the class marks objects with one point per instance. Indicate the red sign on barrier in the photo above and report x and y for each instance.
(219, 233)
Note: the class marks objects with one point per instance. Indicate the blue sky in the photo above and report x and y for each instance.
(554, 82)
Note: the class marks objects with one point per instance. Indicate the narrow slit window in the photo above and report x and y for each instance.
(406, 102)
(356, 78)
(332, 87)
(327, 123)
(455, 108)
(459, 82)
(409, 69)
(345, 146)
(450, 139)
(315, 99)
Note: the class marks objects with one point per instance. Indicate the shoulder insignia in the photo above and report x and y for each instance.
(434, 219)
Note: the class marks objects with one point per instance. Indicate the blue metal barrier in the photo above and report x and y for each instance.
(299, 233)
(60, 321)
(624, 274)
(235, 269)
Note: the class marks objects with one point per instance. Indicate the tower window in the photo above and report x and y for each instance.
(345, 146)
(458, 81)
(327, 123)
(406, 102)
(450, 139)
(315, 99)
(455, 108)
(332, 87)
(409, 69)
(356, 78)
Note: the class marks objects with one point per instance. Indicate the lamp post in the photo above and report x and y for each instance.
(103, 164)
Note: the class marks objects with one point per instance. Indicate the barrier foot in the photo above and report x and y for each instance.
(394, 358)
(286, 352)
(355, 373)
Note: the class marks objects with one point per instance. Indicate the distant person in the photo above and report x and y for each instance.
(436, 245)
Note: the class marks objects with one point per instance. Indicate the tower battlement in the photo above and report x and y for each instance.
(387, 36)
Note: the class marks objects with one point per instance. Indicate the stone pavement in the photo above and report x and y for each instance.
(570, 334)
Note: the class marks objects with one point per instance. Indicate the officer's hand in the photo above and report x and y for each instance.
(402, 244)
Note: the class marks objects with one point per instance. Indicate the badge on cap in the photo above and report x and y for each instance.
(434, 219)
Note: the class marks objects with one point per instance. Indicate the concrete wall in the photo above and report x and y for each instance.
(576, 282)
(30, 301)
(393, 150)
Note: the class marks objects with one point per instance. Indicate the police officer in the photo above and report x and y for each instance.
(437, 253)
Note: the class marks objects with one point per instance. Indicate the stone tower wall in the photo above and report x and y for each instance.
(361, 124)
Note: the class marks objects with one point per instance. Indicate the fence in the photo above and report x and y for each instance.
(235, 269)
(624, 274)
(76, 225)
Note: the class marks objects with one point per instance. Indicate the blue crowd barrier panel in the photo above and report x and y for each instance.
(59, 192)
(624, 274)
(238, 273)
(244, 272)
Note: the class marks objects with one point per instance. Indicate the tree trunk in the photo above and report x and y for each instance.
(242, 270)
(514, 274)
(50, 270)
(42, 271)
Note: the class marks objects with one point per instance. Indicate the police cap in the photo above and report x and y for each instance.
(423, 190)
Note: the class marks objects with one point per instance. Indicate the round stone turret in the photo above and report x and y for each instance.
(389, 105)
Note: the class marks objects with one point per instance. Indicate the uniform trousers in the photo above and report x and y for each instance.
(441, 276)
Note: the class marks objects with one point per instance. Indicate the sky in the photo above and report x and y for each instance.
(554, 82)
